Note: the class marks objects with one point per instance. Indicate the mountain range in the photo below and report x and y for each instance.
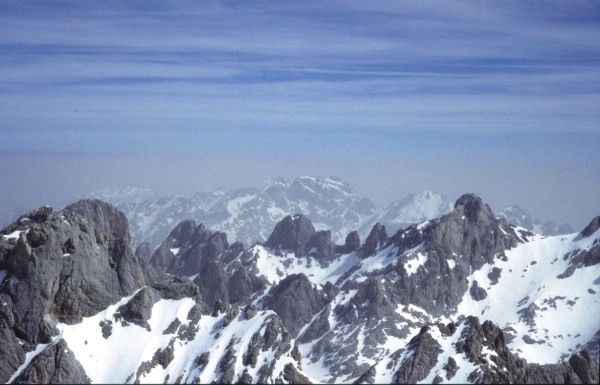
(249, 214)
(464, 297)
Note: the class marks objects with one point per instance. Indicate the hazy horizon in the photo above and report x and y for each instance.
(497, 99)
(54, 174)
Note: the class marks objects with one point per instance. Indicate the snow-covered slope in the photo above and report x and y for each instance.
(464, 297)
(540, 301)
(165, 350)
(351, 313)
(75, 308)
(174, 345)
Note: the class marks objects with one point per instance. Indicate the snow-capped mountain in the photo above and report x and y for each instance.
(414, 208)
(515, 215)
(248, 215)
(461, 298)
(74, 308)
(358, 312)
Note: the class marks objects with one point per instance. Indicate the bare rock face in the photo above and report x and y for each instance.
(292, 233)
(425, 352)
(581, 367)
(591, 228)
(472, 231)
(322, 248)
(586, 366)
(183, 250)
(351, 244)
(296, 301)
(55, 365)
(62, 266)
(187, 248)
(377, 238)
(202, 255)
(75, 262)
(415, 361)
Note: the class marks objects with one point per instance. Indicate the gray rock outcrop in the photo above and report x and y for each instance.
(591, 228)
(292, 233)
(63, 266)
(55, 365)
(296, 301)
(376, 239)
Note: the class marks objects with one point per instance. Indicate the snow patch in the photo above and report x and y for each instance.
(31, 355)
(412, 265)
(15, 234)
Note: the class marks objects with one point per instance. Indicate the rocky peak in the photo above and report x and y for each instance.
(591, 228)
(186, 247)
(296, 300)
(215, 245)
(64, 266)
(38, 215)
(377, 238)
(185, 231)
(101, 216)
(351, 244)
(321, 247)
(473, 209)
(182, 237)
(471, 230)
(292, 233)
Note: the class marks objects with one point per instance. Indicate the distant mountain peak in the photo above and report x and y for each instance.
(515, 215)
(249, 214)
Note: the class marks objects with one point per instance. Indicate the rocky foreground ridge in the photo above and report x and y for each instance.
(464, 297)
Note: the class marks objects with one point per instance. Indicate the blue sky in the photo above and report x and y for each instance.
(496, 98)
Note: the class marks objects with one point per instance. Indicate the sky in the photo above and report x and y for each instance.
(500, 99)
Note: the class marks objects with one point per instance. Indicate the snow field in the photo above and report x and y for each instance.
(563, 318)
(117, 358)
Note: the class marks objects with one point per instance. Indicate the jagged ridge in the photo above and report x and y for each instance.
(391, 309)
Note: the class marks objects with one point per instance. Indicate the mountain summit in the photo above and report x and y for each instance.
(464, 297)
(248, 215)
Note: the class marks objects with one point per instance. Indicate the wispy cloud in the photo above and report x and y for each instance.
(463, 66)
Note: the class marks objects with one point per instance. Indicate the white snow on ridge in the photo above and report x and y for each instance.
(15, 234)
(117, 358)
(529, 278)
(274, 268)
(413, 264)
(448, 346)
(31, 355)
